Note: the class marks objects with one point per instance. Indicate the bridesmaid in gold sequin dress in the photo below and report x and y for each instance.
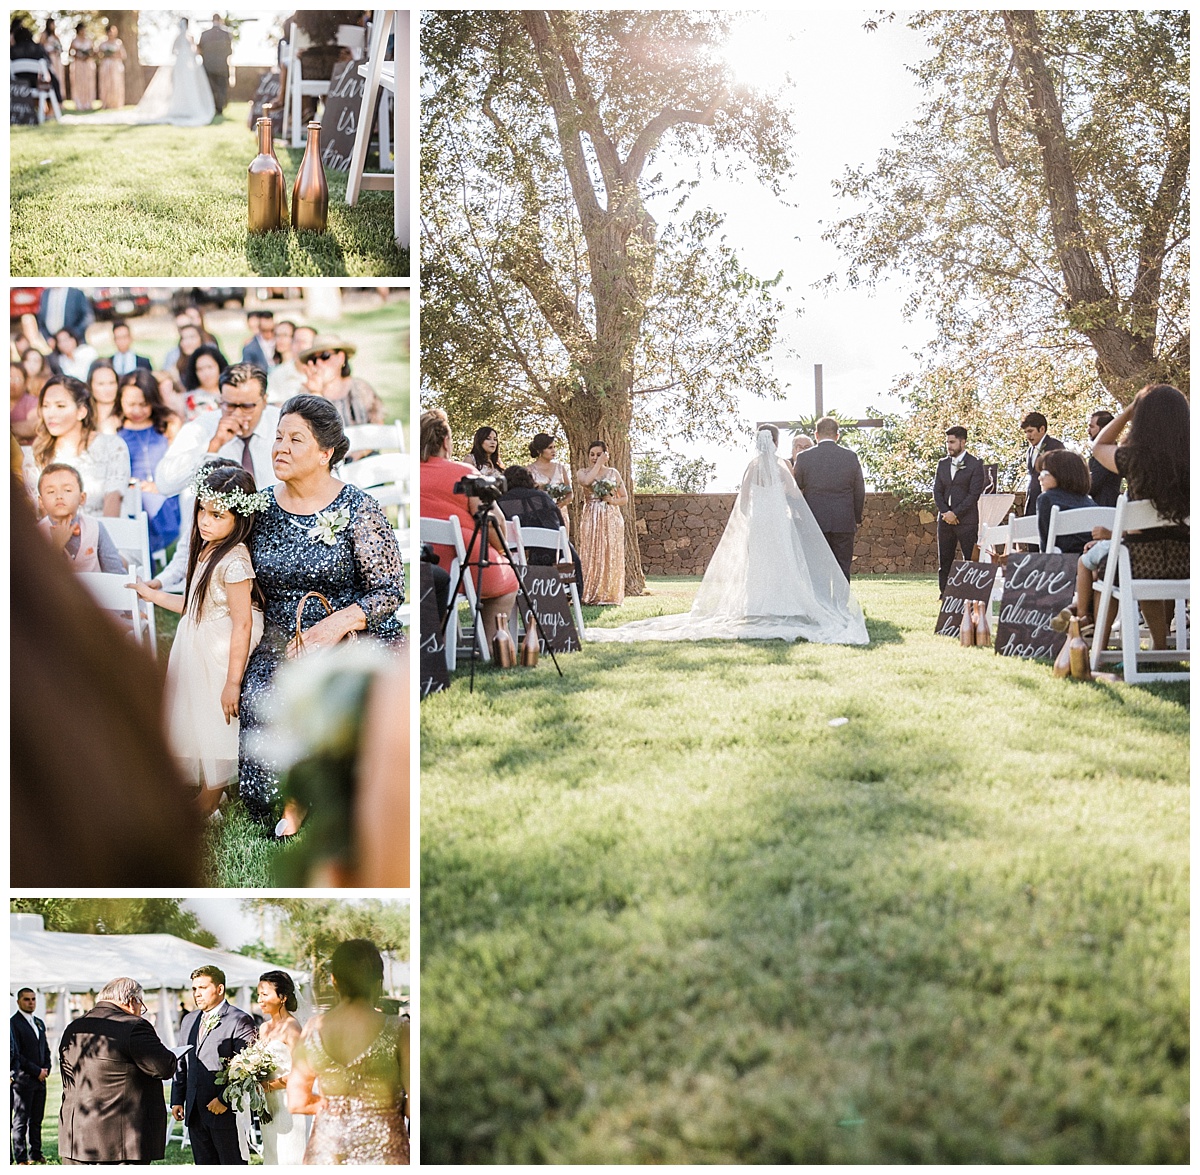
(360, 1058)
(602, 530)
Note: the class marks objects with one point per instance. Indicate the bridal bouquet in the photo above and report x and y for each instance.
(558, 490)
(246, 1072)
(603, 489)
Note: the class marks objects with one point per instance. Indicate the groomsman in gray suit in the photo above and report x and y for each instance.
(831, 480)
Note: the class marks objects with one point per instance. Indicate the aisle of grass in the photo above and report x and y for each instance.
(670, 914)
(162, 201)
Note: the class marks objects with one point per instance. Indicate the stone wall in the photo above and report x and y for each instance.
(679, 532)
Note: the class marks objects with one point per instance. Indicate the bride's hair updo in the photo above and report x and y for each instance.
(539, 444)
(285, 989)
(772, 430)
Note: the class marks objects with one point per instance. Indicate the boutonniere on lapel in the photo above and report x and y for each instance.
(330, 523)
(209, 1021)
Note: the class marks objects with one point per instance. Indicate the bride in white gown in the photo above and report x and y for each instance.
(772, 575)
(179, 93)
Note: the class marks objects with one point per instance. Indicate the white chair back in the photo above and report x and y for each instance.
(114, 593)
(1024, 530)
(131, 536)
(1081, 520)
(387, 438)
(444, 532)
(545, 539)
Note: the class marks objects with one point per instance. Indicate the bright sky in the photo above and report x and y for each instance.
(255, 44)
(235, 928)
(851, 93)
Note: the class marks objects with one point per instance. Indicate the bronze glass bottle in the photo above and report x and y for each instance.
(310, 194)
(265, 184)
(283, 208)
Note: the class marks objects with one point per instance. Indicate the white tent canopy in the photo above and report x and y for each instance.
(50, 960)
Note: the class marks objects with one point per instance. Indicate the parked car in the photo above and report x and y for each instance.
(120, 301)
(23, 300)
(207, 296)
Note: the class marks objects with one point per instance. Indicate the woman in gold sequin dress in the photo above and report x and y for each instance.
(360, 1057)
(602, 528)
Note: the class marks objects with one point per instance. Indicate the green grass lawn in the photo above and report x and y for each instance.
(670, 914)
(162, 201)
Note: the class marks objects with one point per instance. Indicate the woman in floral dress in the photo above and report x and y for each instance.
(317, 534)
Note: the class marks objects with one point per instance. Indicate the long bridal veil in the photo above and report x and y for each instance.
(772, 575)
(179, 93)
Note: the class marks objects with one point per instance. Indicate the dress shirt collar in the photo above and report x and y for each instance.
(29, 1019)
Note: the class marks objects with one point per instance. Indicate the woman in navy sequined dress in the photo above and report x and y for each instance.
(318, 534)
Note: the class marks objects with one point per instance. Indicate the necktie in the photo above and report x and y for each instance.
(247, 461)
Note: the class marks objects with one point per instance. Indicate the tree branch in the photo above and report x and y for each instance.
(658, 126)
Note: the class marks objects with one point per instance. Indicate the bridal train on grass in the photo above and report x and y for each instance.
(772, 576)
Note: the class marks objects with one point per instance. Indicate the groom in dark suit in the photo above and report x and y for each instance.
(113, 1066)
(831, 480)
(956, 491)
(28, 1067)
(216, 1031)
(216, 47)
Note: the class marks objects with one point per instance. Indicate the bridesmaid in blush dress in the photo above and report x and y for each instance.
(548, 472)
(83, 69)
(112, 70)
(602, 529)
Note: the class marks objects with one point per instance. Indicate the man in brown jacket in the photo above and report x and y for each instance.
(113, 1066)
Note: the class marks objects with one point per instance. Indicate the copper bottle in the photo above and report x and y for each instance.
(531, 646)
(310, 194)
(283, 208)
(265, 184)
(504, 652)
(1077, 650)
(983, 630)
(966, 630)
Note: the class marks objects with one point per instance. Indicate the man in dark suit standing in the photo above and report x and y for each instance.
(124, 360)
(63, 306)
(831, 480)
(956, 489)
(1106, 485)
(260, 350)
(1034, 427)
(216, 47)
(216, 1031)
(29, 1066)
(113, 1066)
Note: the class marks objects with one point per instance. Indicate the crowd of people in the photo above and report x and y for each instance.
(1143, 451)
(272, 552)
(333, 1090)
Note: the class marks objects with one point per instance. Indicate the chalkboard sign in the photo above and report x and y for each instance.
(966, 581)
(340, 119)
(268, 91)
(550, 590)
(23, 100)
(434, 675)
(1036, 589)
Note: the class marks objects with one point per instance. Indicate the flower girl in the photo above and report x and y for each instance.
(221, 623)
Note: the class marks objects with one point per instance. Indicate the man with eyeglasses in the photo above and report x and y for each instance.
(113, 1066)
(241, 430)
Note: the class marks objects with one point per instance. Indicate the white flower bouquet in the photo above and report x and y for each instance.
(558, 490)
(603, 489)
(245, 1073)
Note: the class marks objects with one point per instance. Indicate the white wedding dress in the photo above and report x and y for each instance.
(179, 93)
(772, 576)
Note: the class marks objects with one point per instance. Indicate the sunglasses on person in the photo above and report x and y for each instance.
(321, 358)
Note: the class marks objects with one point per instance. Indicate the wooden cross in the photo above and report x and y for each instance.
(819, 405)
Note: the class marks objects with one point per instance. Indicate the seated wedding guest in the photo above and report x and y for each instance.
(1064, 481)
(193, 314)
(190, 341)
(22, 47)
(22, 412)
(1155, 460)
(96, 801)
(243, 430)
(260, 348)
(485, 451)
(37, 370)
(1106, 485)
(81, 537)
(288, 379)
(75, 357)
(102, 384)
(172, 357)
(285, 332)
(439, 473)
(173, 393)
(327, 366)
(534, 507)
(551, 475)
(124, 360)
(67, 433)
(202, 378)
(147, 428)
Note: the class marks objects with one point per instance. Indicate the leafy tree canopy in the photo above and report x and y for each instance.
(117, 916)
(1040, 200)
(313, 927)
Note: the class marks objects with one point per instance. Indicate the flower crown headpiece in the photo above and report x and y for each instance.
(237, 501)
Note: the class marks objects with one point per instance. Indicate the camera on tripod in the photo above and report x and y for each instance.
(487, 487)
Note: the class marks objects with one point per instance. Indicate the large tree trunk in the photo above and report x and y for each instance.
(127, 23)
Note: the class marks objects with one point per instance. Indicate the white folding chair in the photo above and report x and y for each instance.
(1081, 520)
(298, 88)
(114, 593)
(45, 93)
(516, 543)
(131, 537)
(385, 477)
(385, 438)
(543, 538)
(447, 533)
(1024, 529)
(1119, 582)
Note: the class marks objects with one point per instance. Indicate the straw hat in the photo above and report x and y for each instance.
(327, 343)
